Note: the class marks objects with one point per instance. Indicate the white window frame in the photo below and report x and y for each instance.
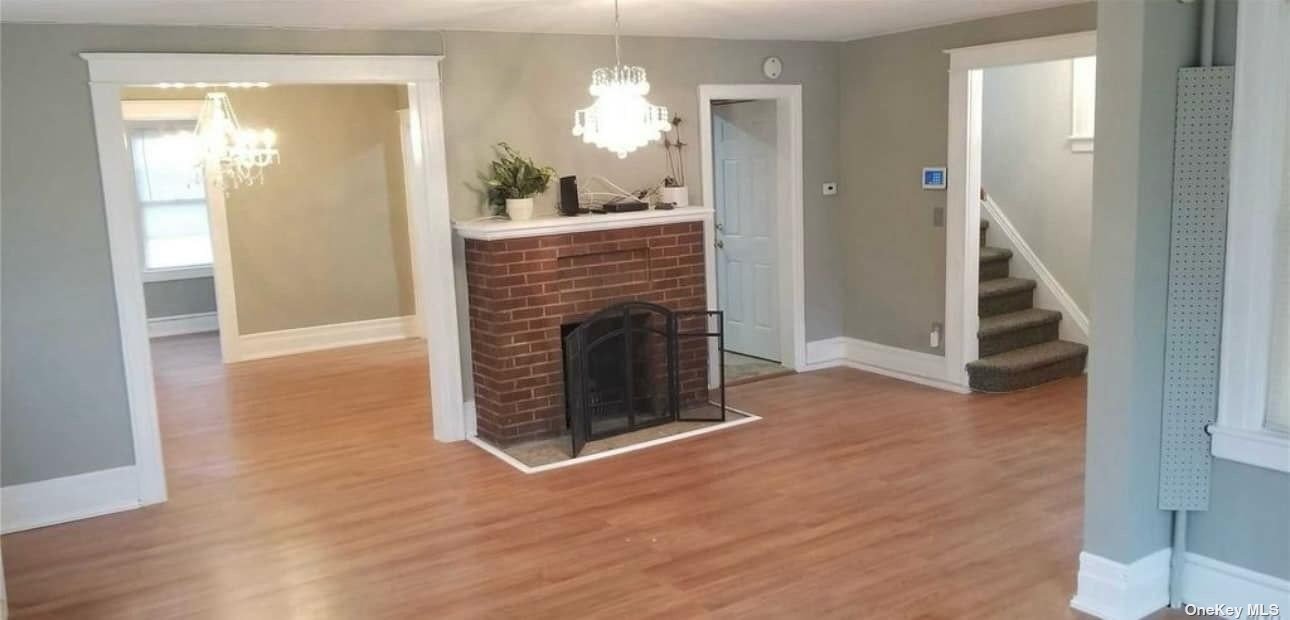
(1080, 142)
(1258, 145)
(167, 110)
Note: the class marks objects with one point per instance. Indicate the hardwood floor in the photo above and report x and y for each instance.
(309, 487)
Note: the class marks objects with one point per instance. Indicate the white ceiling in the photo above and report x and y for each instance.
(812, 20)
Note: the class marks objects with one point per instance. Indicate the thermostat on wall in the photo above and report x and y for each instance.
(934, 178)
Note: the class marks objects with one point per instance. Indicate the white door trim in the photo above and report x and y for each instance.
(109, 73)
(789, 254)
(963, 169)
(414, 196)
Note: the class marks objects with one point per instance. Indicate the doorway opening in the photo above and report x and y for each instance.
(262, 328)
(1010, 323)
(303, 264)
(751, 143)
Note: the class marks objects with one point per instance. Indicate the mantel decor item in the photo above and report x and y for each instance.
(674, 191)
(513, 180)
(621, 119)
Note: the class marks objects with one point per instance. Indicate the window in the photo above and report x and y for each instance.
(1277, 418)
(175, 229)
(1083, 100)
(1254, 376)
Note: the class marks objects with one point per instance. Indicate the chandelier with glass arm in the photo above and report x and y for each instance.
(621, 119)
(233, 156)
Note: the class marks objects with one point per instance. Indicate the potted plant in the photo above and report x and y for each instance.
(674, 190)
(513, 180)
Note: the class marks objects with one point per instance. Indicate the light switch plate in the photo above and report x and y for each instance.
(830, 189)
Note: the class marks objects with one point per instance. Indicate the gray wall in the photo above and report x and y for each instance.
(1029, 170)
(63, 382)
(1245, 525)
(176, 297)
(894, 119)
(523, 88)
(1141, 44)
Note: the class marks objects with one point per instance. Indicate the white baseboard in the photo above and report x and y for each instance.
(913, 366)
(181, 324)
(1208, 582)
(472, 423)
(1049, 293)
(1113, 591)
(319, 337)
(59, 500)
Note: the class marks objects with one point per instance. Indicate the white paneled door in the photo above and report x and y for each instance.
(744, 158)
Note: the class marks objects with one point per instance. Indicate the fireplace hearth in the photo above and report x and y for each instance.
(622, 370)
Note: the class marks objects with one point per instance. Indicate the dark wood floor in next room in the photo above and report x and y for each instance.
(309, 487)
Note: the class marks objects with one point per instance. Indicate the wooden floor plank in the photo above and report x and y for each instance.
(309, 487)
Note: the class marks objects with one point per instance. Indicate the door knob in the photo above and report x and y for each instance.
(720, 244)
(719, 226)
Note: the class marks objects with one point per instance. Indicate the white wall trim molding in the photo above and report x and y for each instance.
(1254, 198)
(472, 422)
(1051, 290)
(162, 109)
(744, 418)
(59, 500)
(1261, 447)
(790, 242)
(181, 324)
(1208, 582)
(913, 366)
(963, 174)
(110, 73)
(1113, 591)
(178, 273)
(1026, 51)
(490, 229)
(146, 68)
(320, 337)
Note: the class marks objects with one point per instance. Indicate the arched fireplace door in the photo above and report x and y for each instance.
(635, 365)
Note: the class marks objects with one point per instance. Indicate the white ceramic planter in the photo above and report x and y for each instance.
(519, 209)
(678, 196)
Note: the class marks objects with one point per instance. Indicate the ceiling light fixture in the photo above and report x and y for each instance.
(621, 119)
(233, 156)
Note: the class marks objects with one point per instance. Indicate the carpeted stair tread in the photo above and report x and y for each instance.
(1004, 286)
(1026, 358)
(1014, 321)
(1027, 367)
(991, 254)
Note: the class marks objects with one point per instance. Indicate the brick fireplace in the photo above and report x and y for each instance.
(523, 287)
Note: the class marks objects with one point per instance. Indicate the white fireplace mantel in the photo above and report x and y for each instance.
(490, 229)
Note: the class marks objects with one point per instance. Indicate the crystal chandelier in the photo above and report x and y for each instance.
(621, 120)
(232, 155)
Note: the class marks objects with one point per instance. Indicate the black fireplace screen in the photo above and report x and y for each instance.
(635, 365)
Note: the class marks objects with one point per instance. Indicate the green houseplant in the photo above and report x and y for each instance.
(513, 180)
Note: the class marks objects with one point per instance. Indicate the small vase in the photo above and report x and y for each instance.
(519, 209)
(678, 196)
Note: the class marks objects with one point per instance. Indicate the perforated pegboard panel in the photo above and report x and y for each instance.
(1197, 244)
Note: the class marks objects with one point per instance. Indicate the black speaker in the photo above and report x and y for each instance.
(569, 195)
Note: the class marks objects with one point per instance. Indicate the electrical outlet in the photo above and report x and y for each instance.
(830, 189)
(935, 339)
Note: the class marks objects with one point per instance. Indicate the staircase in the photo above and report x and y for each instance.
(1018, 344)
